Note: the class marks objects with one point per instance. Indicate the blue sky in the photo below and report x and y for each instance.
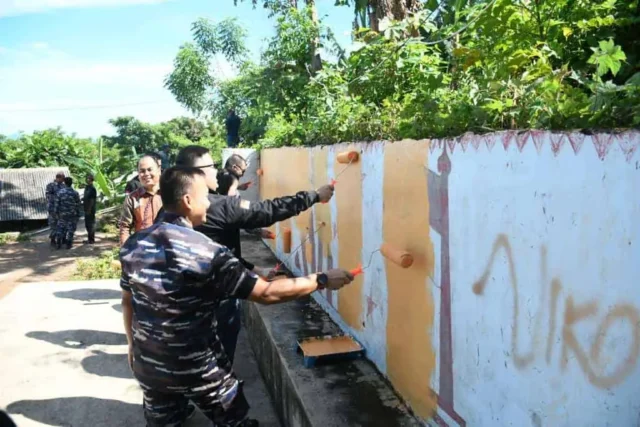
(59, 57)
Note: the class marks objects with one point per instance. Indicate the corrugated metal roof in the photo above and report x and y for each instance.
(22, 192)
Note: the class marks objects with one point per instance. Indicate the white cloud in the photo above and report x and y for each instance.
(81, 96)
(21, 7)
(40, 45)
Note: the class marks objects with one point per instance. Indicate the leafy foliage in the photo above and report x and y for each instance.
(452, 66)
(45, 149)
(111, 159)
(191, 80)
(104, 267)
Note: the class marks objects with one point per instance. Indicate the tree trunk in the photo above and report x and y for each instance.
(316, 61)
(392, 9)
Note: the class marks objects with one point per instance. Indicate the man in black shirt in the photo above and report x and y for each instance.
(227, 215)
(229, 176)
(233, 128)
(89, 200)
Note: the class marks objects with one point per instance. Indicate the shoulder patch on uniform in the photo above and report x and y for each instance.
(244, 204)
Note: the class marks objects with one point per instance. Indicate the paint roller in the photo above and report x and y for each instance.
(397, 256)
(286, 243)
(346, 157)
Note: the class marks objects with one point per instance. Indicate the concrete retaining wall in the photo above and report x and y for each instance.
(522, 307)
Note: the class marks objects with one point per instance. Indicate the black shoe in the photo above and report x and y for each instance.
(69, 245)
(89, 242)
(249, 422)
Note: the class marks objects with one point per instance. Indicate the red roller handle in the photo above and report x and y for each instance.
(356, 271)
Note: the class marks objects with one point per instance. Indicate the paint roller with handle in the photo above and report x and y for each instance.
(346, 157)
(397, 256)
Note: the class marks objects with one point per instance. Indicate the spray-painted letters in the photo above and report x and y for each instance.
(590, 362)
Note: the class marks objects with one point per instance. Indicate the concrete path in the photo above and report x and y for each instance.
(63, 360)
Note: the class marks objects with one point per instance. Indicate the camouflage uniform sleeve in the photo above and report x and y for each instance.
(126, 219)
(229, 278)
(56, 203)
(49, 191)
(125, 285)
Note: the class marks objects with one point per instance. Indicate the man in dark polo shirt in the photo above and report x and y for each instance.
(173, 280)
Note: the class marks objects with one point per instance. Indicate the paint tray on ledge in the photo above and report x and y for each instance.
(329, 348)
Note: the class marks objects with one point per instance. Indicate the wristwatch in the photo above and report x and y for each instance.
(322, 279)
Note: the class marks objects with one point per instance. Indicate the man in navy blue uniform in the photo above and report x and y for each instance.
(227, 215)
(173, 280)
(67, 209)
(51, 191)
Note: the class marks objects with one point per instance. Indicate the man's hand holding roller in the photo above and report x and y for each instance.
(325, 193)
(281, 290)
(337, 278)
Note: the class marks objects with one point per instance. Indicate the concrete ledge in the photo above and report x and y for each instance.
(350, 393)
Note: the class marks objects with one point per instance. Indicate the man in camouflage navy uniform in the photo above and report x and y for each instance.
(67, 208)
(173, 279)
(227, 215)
(51, 191)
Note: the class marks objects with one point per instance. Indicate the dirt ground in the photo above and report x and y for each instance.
(37, 261)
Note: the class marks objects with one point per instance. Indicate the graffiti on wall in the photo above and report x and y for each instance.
(601, 372)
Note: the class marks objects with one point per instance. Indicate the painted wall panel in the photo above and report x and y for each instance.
(523, 307)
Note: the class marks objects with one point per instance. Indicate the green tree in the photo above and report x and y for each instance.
(441, 68)
(192, 81)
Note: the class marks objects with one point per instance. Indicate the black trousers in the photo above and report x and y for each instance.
(90, 225)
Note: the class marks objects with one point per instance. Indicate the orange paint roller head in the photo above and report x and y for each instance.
(402, 258)
(286, 240)
(348, 157)
(259, 172)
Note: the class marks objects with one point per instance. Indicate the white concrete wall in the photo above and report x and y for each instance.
(543, 263)
(554, 338)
